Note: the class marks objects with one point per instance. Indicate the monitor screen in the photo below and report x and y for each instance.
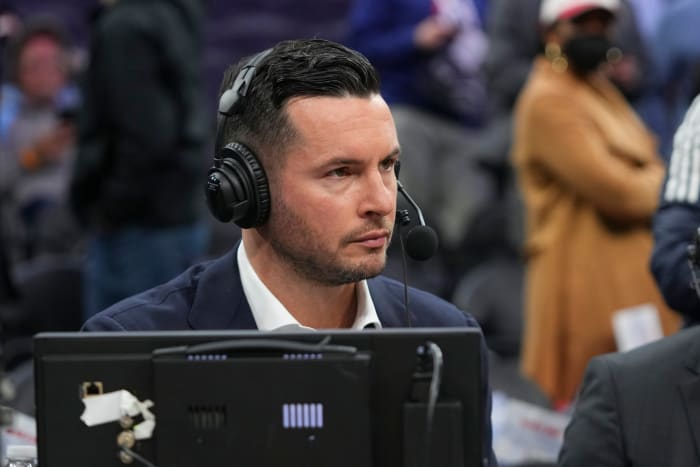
(384, 398)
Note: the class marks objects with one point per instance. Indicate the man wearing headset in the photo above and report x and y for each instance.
(305, 164)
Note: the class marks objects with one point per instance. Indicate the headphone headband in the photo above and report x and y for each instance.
(231, 98)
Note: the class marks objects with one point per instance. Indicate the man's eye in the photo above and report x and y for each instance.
(339, 172)
(388, 164)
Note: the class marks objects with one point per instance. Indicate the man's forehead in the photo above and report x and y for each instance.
(344, 111)
(342, 126)
(318, 100)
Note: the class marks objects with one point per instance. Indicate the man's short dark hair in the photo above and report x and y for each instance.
(295, 68)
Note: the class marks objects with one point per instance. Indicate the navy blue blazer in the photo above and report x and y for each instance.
(210, 296)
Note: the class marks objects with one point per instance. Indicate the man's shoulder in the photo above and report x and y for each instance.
(665, 355)
(426, 309)
(164, 307)
(624, 395)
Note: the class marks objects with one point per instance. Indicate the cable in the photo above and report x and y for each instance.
(405, 283)
(137, 457)
(402, 220)
(435, 353)
(693, 263)
(695, 282)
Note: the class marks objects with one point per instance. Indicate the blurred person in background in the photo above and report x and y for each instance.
(677, 56)
(514, 41)
(677, 220)
(142, 148)
(429, 54)
(37, 134)
(590, 177)
(640, 408)
(10, 25)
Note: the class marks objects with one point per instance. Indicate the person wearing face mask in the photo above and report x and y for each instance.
(590, 175)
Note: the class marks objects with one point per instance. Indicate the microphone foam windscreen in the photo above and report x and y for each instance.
(421, 242)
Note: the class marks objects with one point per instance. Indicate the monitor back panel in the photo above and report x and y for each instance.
(236, 408)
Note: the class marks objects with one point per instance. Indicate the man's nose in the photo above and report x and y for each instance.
(379, 194)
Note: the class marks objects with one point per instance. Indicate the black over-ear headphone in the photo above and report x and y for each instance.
(237, 189)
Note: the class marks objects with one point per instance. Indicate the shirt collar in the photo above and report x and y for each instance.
(269, 313)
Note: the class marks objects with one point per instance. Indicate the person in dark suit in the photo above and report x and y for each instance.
(305, 164)
(640, 408)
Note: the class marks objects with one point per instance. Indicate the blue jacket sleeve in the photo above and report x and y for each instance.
(674, 229)
(102, 323)
(677, 219)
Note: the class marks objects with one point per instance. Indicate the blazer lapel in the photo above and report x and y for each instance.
(384, 303)
(220, 302)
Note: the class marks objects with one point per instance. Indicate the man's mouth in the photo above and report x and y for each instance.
(374, 239)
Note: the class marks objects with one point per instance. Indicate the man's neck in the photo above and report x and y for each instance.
(311, 303)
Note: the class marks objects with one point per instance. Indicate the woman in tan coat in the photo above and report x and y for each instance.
(590, 178)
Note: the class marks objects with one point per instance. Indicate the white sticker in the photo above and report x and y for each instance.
(636, 326)
(103, 408)
(111, 406)
(525, 433)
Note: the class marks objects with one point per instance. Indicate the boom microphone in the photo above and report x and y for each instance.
(421, 240)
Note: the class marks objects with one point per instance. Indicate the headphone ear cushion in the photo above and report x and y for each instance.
(237, 187)
(255, 184)
(220, 194)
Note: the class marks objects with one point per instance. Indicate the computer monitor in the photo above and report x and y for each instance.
(381, 398)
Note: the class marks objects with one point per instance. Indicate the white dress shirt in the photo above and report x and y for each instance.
(269, 313)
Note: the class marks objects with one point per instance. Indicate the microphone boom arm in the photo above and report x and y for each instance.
(408, 198)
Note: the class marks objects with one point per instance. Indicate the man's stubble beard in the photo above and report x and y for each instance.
(296, 244)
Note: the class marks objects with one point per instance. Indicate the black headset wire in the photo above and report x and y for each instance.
(435, 353)
(138, 457)
(405, 282)
(403, 219)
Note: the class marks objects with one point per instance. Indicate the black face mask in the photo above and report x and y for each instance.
(585, 52)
